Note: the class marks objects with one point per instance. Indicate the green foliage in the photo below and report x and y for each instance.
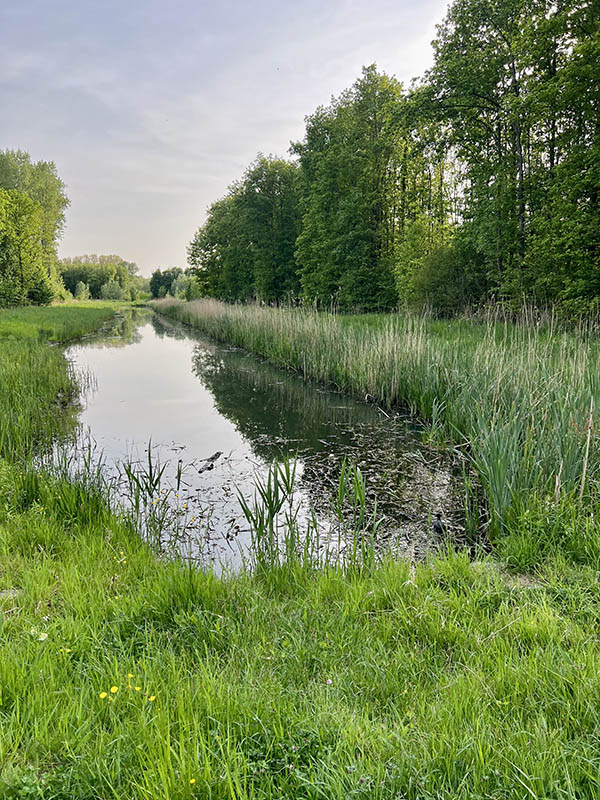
(82, 291)
(515, 84)
(111, 290)
(246, 247)
(23, 277)
(97, 272)
(497, 145)
(32, 206)
(449, 279)
(164, 282)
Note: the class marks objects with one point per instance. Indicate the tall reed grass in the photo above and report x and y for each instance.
(520, 400)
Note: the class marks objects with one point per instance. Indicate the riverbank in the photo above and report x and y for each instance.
(126, 676)
(519, 401)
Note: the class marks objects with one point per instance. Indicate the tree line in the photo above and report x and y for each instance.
(102, 277)
(480, 180)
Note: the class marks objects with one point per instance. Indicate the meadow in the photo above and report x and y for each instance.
(124, 674)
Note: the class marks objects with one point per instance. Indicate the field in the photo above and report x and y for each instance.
(124, 675)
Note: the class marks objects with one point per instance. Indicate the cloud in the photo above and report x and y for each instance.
(150, 109)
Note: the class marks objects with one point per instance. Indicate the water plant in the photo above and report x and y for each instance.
(517, 399)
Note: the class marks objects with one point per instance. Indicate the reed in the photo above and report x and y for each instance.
(515, 397)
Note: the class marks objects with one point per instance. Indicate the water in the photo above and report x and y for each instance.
(218, 416)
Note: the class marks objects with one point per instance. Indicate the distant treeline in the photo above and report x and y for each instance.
(102, 278)
(482, 180)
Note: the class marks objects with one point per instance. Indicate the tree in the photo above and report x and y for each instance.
(96, 271)
(40, 182)
(245, 249)
(23, 276)
(162, 281)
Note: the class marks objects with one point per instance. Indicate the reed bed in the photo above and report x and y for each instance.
(521, 401)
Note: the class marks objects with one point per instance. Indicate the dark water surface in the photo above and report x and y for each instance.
(155, 381)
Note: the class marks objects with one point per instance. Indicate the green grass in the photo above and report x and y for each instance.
(55, 323)
(442, 680)
(37, 391)
(446, 679)
(515, 398)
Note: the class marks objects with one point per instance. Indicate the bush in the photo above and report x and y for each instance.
(82, 291)
(450, 279)
(111, 290)
(41, 292)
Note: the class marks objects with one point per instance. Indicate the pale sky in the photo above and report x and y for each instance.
(151, 109)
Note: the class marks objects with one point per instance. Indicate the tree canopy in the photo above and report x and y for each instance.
(32, 208)
(481, 180)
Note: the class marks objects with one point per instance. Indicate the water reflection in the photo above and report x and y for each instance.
(227, 415)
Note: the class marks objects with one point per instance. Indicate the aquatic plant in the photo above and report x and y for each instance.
(519, 400)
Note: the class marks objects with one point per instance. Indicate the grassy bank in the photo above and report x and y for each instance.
(36, 388)
(126, 676)
(521, 402)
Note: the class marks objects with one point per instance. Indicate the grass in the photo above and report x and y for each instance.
(58, 323)
(440, 680)
(521, 402)
(123, 675)
(37, 391)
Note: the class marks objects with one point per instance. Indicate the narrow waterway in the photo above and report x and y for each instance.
(214, 418)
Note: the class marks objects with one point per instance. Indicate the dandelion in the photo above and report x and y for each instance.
(152, 698)
(67, 649)
(192, 781)
(130, 674)
(102, 695)
(114, 689)
(138, 688)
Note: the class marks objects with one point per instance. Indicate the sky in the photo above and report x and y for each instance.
(151, 109)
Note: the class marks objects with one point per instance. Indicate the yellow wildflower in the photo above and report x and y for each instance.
(152, 698)
(114, 689)
(192, 781)
(102, 695)
(138, 688)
